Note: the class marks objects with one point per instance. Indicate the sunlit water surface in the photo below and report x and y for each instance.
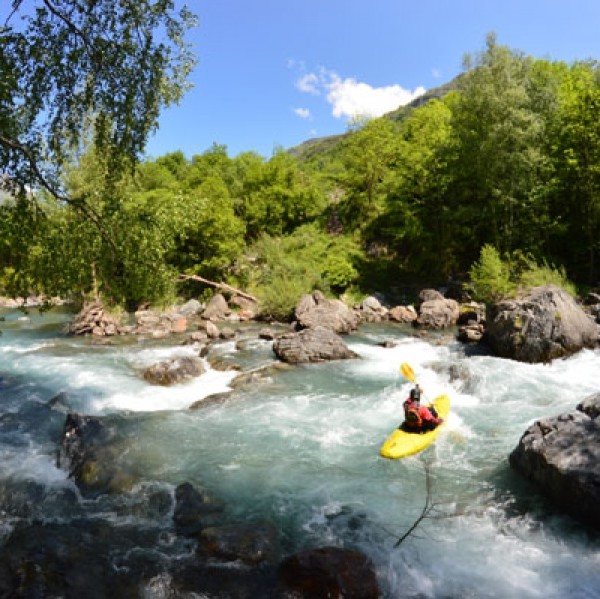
(301, 448)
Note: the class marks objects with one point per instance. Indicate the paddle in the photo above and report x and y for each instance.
(408, 372)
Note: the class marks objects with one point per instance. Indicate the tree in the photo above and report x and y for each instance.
(576, 155)
(368, 155)
(67, 67)
(499, 168)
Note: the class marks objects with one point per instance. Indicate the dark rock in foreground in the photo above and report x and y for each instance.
(330, 572)
(562, 456)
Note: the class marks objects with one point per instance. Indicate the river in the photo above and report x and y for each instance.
(300, 448)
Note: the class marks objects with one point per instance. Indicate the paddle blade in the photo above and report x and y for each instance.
(407, 371)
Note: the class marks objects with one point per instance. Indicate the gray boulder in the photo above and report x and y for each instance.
(312, 345)
(217, 308)
(562, 455)
(544, 325)
(316, 310)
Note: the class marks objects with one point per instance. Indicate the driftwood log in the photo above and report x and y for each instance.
(217, 285)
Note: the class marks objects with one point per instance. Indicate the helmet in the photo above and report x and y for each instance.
(415, 394)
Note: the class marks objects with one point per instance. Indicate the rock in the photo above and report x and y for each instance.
(429, 295)
(94, 320)
(251, 542)
(311, 345)
(90, 454)
(372, 310)
(330, 572)
(226, 333)
(544, 325)
(561, 456)
(194, 509)
(247, 307)
(217, 308)
(438, 313)
(266, 334)
(403, 314)
(190, 308)
(316, 310)
(472, 333)
(210, 328)
(175, 371)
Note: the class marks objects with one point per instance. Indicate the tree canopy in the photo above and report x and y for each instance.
(69, 68)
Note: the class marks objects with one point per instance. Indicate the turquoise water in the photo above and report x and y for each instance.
(300, 447)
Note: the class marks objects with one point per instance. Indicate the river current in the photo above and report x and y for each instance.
(301, 448)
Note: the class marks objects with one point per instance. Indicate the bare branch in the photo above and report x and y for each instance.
(217, 285)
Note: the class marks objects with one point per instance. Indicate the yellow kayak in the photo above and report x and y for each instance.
(400, 443)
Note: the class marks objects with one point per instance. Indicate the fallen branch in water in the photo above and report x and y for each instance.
(217, 285)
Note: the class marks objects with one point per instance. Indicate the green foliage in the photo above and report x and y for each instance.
(494, 278)
(490, 276)
(280, 269)
(115, 62)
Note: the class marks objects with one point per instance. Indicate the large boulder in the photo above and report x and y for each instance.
(561, 455)
(544, 325)
(316, 310)
(217, 308)
(329, 572)
(438, 313)
(312, 345)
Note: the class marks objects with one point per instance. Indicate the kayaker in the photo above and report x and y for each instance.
(418, 418)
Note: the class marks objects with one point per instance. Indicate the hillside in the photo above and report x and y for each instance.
(316, 146)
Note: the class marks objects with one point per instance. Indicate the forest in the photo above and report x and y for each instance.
(495, 179)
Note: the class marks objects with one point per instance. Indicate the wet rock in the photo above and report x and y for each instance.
(316, 310)
(90, 452)
(193, 509)
(317, 344)
(544, 325)
(267, 334)
(210, 328)
(330, 572)
(561, 456)
(175, 371)
(251, 542)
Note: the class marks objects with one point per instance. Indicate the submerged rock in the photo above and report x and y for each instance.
(175, 371)
(562, 455)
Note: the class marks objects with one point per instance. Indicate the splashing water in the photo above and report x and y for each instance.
(301, 448)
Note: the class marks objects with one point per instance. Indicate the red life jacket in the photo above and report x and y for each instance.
(412, 418)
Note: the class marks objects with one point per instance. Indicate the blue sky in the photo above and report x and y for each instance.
(274, 73)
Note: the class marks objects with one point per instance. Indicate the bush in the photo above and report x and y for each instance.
(494, 278)
(491, 276)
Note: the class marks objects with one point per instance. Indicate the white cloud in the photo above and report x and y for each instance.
(350, 98)
(303, 113)
(309, 84)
